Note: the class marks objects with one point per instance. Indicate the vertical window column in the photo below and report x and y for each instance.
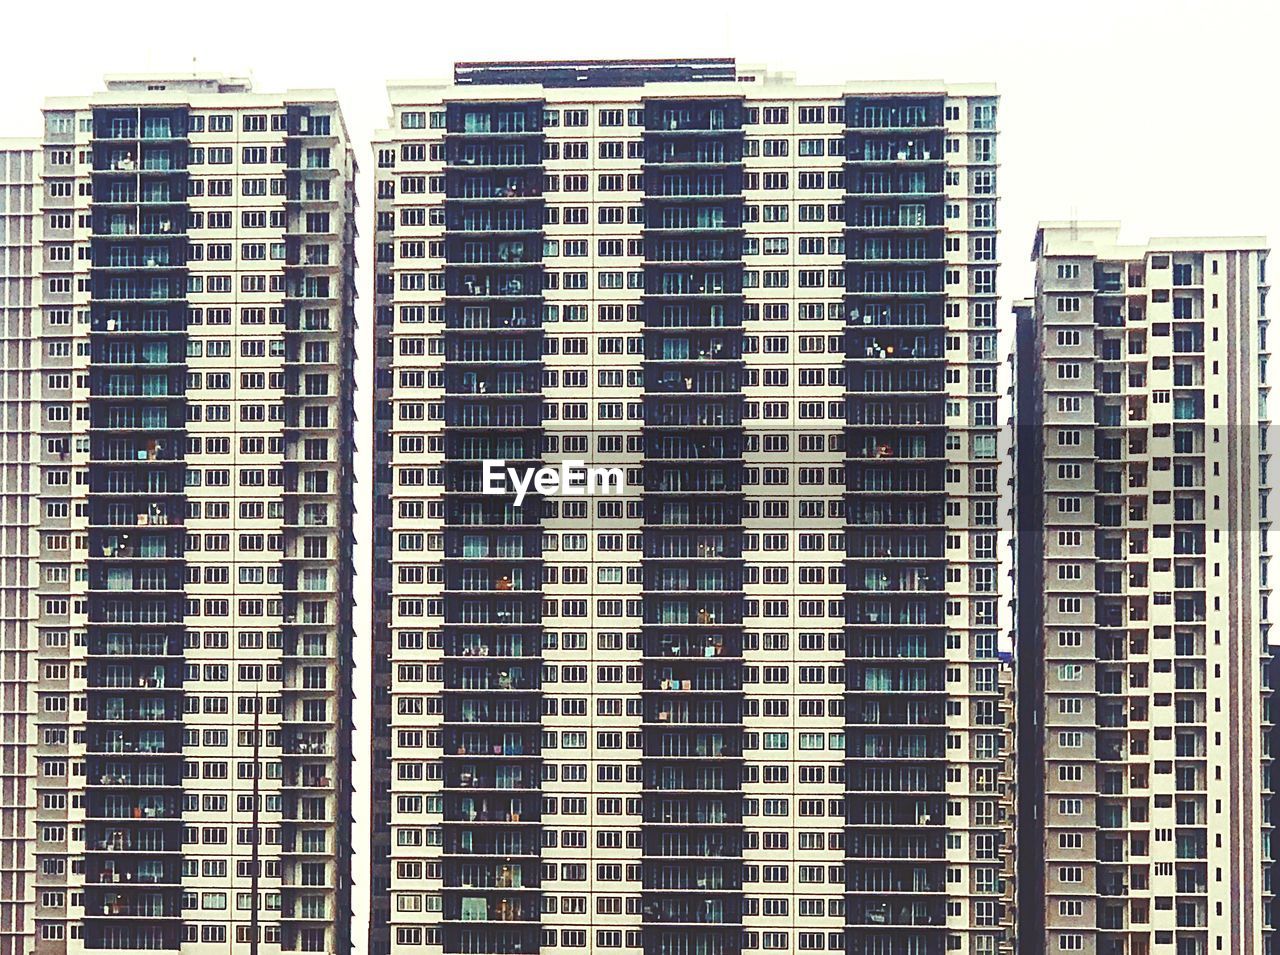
(314, 721)
(492, 628)
(895, 509)
(692, 534)
(137, 506)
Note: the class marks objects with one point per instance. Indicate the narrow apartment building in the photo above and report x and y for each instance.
(758, 700)
(191, 345)
(19, 540)
(1150, 372)
(1028, 549)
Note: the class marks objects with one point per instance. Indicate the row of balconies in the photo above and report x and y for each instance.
(141, 706)
(125, 223)
(154, 189)
(922, 844)
(695, 378)
(683, 346)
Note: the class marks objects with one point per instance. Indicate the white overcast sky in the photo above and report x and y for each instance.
(1164, 115)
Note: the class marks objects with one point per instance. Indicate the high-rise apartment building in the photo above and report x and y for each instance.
(1148, 403)
(1028, 527)
(759, 700)
(19, 539)
(178, 419)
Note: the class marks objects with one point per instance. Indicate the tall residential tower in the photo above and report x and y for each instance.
(192, 346)
(759, 700)
(1148, 401)
(19, 522)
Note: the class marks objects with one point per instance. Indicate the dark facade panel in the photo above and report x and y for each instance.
(594, 72)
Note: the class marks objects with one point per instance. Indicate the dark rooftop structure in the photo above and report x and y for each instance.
(565, 73)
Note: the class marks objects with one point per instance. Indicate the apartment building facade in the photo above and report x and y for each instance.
(759, 700)
(19, 483)
(191, 346)
(1029, 661)
(1149, 397)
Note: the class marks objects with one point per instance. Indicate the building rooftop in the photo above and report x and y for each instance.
(559, 81)
(204, 88)
(186, 82)
(1102, 239)
(563, 73)
(194, 90)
